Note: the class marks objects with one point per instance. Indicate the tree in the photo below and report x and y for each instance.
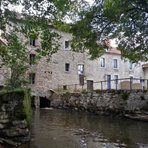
(126, 21)
(16, 59)
(35, 21)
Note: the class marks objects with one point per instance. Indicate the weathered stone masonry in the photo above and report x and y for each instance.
(115, 102)
(13, 124)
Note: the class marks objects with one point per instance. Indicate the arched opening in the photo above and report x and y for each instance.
(44, 102)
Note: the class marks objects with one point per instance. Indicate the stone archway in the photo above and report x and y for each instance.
(44, 102)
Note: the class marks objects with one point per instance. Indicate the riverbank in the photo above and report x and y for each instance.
(130, 104)
(15, 114)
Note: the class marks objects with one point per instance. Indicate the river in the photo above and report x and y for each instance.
(69, 129)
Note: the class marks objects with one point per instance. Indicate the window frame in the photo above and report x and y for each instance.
(80, 69)
(32, 42)
(32, 59)
(67, 44)
(32, 77)
(116, 77)
(102, 62)
(115, 64)
(130, 66)
(67, 67)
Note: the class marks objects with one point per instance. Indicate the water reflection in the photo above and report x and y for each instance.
(67, 129)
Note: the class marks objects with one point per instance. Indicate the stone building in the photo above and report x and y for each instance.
(74, 70)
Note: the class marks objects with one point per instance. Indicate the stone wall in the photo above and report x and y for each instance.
(14, 114)
(115, 102)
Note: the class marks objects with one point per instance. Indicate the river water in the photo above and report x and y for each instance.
(69, 129)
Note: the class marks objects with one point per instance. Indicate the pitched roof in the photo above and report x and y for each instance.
(113, 50)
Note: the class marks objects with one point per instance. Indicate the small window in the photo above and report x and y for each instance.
(32, 59)
(115, 63)
(32, 42)
(67, 67)
(66, 44)
(65, 87)
(142, 81)
(80, 69)
(32, 78)
(130, 65)
(102, 62)
(81, 49)
(116, 79)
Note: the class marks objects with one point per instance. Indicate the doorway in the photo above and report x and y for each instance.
(108, 78)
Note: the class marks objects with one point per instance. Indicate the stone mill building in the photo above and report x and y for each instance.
(73, 70)
(66, 69)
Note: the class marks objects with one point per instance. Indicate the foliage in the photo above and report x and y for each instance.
(124, 20)
(61, 26)
(16, 59)
(31, 23)
(24, 110)
(40, 28)
(125, 95)
(38, 20)
(85, 38)
(27, 105)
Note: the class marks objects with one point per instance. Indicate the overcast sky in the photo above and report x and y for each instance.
(90, 1)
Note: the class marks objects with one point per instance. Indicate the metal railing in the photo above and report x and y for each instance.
(110, 84)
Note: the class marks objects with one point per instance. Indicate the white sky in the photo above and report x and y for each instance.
(19, 8)
(90, 1)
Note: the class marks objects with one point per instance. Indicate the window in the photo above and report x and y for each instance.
(66, 44)
(65, 87)
(130, 65)
(81, 49)
(115, 63)
(116, 79)
(67, 67)
(32, 78)
(80, 69)
(131, 78)
(32, 59)
(32, 42)
(102, 62)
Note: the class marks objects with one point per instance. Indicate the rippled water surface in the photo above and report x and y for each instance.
(67, 129)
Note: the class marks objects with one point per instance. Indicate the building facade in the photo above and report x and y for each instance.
(74, 70)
